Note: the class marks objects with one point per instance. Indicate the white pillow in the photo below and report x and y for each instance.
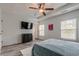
(26, 51)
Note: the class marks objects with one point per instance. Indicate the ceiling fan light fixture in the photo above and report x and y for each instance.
(41, 10)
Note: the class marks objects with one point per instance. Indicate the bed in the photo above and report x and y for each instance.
(55, 47)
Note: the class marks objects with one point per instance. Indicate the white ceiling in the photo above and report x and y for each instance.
(64, 9)
(23, 10)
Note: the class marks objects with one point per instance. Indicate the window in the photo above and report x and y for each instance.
(68, 29)
(41, 30)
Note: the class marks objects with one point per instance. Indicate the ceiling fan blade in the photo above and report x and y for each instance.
(40, 5)
(33, 8)
(49, 8)
(44, 13)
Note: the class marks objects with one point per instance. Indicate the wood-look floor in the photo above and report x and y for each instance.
(14, 50)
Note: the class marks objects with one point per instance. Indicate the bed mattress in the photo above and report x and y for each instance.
(55, 47)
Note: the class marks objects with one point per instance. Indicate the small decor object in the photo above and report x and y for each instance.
(50, 27)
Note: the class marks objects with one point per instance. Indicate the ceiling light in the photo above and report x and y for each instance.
(41, 10)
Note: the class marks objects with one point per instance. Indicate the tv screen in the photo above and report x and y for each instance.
(24, 25)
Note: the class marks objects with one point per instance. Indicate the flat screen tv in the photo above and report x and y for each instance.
(24, 25)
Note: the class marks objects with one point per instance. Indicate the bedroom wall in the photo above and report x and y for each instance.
(11, 26)
(56, 32)
(12, 29)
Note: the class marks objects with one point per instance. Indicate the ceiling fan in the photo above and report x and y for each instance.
(41, 8)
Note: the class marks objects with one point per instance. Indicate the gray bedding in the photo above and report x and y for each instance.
(55, 47)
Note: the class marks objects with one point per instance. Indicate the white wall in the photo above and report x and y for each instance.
(56, 32)
(12, 27)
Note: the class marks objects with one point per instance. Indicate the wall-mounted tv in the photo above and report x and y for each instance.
(26, 25)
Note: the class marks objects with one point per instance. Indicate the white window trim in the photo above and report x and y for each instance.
(41, 30)
(74, 28)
